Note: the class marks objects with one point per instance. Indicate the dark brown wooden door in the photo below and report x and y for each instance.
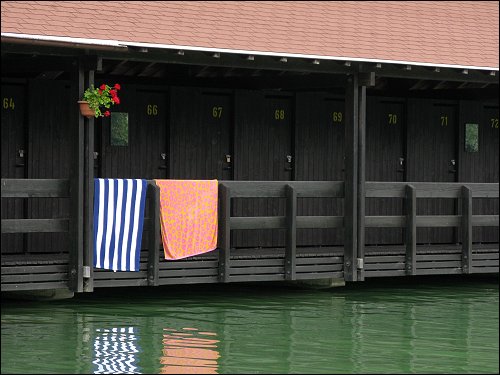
(319, 156)
(487, 171)
(139, 150)
(201, 134)
(49, 147)
(263, 152)
(385, 128)
(14, 154)
(432, 156)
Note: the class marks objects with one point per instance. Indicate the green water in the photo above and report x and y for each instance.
(439, 325)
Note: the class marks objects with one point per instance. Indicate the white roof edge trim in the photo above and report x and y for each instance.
(124, 44)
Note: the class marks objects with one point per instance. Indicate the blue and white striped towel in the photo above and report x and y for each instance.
(118, 223)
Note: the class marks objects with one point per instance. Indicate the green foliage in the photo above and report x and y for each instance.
(104, 96)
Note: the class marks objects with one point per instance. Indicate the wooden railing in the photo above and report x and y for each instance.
(36, 276)
(410, 191)
(291, 190)
(35, 188)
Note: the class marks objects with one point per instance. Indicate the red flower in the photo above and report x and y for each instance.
(112, 92)
(103, 87)
(100, 92)
(117, 86)
(106, 114)
(116, 100)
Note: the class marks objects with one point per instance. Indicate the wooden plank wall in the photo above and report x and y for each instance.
(201, 123)
(481, 166)
(319, 156)
(263, 139)
(385, 154)
(431, 147)
(48, 149)
(13, 165)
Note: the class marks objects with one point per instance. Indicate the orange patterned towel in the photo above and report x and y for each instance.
(188, 212)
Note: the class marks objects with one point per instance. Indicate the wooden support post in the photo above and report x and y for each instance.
(75, 269)
(411, 230)
(88, 224)
(351, 177)
(361, 182)
(466, 229)
(154, 234)
(291, 233)
(224, 240)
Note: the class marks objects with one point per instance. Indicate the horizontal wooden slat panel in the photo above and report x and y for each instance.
(259, 222)
(386, 273)
(35, 286)
(485, 220)
(383, 266)
(485, 256)
(443, 264)
(384, 259)
(439, 221)
(108, 275)
(318, 189)
(439, 271)
(30, 278)
(256, 270)
(320, 222)
(276, 189)
(35, 225)
(318, 260)
(188, 280)
(319, 276)
(485, 270)
(320, 268)
(255, 189)
(35, 188)
(17, 270)
(437, 257)
(257, 262)
(189, 272)
(485, 263)
(430, 189)
(385, 221)
(173, 265)
(385, 189)
(244, 278)
(119, 283)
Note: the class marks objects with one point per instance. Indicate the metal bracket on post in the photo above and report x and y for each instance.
(86, 272)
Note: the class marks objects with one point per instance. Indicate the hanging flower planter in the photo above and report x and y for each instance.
(85, 109)
(95, 98)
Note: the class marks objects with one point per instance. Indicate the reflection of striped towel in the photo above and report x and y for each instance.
(118, 223)
(116, 351)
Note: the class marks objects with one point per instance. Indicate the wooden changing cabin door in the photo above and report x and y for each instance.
(200, 133)
(133, 141)
(263, 152)
(432, 157)
(14, 156)
(487, 170)
(319, 157)
(385, 161)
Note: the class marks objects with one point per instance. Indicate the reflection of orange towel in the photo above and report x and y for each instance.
(188, 211)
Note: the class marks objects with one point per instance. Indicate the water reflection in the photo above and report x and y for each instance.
(189, 352)
(115, 351)
(391, 329)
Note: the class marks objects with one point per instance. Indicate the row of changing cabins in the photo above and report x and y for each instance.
(285, 159)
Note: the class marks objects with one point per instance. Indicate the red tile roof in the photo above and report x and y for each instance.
(461, 33)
